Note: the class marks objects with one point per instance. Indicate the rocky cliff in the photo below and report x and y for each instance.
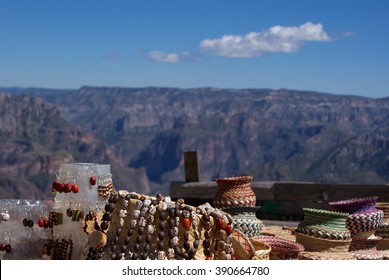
(35, 139)
(270, 134)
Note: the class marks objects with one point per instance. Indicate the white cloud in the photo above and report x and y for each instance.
(168, 57)
(275, 39)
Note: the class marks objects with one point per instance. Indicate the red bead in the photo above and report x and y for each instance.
(219, 223)
(40, 222)
(60, 187)
(45, 223)
(208, 258)
(2, 246)
(54, 186)
(92, 180)
(186, 223)
(75, 188)
(228, 229)
(68, 188)
(233, 257)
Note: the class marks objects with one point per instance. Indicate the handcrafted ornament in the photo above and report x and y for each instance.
(234, 192)
(323, 230)
(281, 249)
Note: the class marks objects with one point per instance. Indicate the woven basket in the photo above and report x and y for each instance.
(355, 205)
(326, 234)
(368, 255)
(324, 224)
(384, 206)
(243, 248)
(245, 219)
(281, 249)
(325, 256)
(383, 244)
(385, 253)
(315, 244)
(364, 243)
(364, 222)
(234, 192)
(383, 230)
(262, 250)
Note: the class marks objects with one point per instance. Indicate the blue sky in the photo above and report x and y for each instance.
(339, 47)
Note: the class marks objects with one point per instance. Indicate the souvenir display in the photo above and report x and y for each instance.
(88, 219)
(140, 227)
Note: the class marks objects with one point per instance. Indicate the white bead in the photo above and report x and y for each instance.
(161, 255)
(142, 222)
(170, 253)
(133, 223)
(136, 214)
(123, 213)
(152, 209)
(125, 204)
(162, 206)
(150, 229)
(144, 212)
(147, 202)
(175, 240)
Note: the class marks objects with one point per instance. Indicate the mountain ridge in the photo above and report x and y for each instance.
(271, 134)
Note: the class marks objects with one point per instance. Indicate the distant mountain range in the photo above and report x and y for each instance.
(142, 132)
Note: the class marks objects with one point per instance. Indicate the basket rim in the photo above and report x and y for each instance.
(324, 212)
(353, 204)
(280, 244)
(240, 209)
(316, 244)
(326, 255)
(234, 179)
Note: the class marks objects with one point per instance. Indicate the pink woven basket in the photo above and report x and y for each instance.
(355, 205)
(281, 249)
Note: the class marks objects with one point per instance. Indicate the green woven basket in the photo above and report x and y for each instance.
(324, 224)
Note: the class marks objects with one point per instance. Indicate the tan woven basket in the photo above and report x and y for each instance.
(234, 192)
(244, 249)
(383, 244)
(325, 256)
(314, 244)
(262, 250)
